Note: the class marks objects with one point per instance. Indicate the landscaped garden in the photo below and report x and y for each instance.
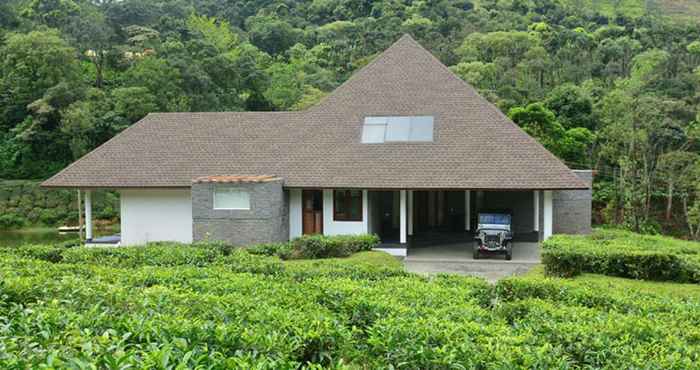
(213, 306)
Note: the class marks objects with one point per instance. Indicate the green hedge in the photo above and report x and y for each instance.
(624, 254)
(317, 246)
(171, 254)
(321, 246)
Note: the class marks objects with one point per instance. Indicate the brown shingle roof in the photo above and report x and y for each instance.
(475, 146)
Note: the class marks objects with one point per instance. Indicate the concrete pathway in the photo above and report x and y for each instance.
(458, 259)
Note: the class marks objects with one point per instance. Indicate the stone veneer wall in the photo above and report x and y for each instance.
(266, 221)
(572, 208)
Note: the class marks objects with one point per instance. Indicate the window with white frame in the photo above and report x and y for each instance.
(397, 129)
(231, 198)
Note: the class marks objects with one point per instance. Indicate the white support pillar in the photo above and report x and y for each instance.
(403, 216)
(365, 211)
(88, 215)
(410, 212)
(536, 201)
(547, 213)
(295, 213)
(467, 210)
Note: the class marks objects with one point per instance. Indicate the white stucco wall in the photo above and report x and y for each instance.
(331, 227)
(155, 215)
(295, 213)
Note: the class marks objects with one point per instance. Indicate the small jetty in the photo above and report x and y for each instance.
(68, 229)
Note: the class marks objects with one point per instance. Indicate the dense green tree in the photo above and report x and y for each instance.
(53, 13)
(31, 64)
(572, 105)
(161, 80)
(271, 34)
(539, 122)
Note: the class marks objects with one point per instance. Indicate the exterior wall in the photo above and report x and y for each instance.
(331, 227)
(266, 221)
(572, 208)
(155, 215)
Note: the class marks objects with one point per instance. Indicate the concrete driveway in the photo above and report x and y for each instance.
(458, 259)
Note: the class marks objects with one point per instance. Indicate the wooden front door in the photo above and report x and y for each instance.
(312, 211)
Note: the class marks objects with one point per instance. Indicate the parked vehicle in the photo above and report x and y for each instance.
(494, 235)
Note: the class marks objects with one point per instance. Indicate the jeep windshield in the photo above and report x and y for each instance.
(494, 219)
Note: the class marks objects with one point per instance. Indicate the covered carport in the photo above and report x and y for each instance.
(426, 218)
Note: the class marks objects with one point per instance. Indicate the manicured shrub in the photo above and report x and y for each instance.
(321, 246)
(242, 261)
(150, 255)
(625, 254)
(281, 250)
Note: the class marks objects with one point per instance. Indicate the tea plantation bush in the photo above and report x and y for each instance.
(625, 254)
(317, 246)
(603, 320)
(179, 306)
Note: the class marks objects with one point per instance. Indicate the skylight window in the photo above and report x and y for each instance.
(397, 129)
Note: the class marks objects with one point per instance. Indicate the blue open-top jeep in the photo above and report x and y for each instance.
(494, 234)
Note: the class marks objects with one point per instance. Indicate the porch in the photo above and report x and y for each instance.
(443, 222)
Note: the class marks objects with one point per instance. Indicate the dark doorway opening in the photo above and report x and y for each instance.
(388, 216)
(439, 218)
(438, 211)
(312, 212)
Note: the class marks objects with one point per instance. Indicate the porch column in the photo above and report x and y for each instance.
(467, 210)
(403, 216)
(410, 212)
(536, 202)
(547, 213)
(88, 215)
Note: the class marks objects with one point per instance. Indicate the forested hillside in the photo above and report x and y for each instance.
(610, 85)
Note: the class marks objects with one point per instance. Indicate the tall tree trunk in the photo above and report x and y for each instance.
(669, 201)
(687, 219)
(99, 61)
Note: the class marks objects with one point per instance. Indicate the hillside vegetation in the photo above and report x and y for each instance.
(608, 85)
(23, 203)
(679, 9)
(202, 306)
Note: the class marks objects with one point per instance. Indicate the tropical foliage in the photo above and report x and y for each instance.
(608, 85)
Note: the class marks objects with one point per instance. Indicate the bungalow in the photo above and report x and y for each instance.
(404, 149)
